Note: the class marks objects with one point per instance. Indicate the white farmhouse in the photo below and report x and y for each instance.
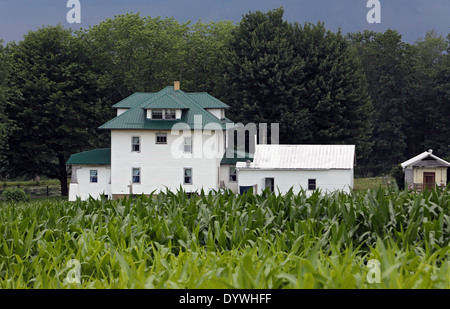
(165, 140)
(173, 139)
(309, 167)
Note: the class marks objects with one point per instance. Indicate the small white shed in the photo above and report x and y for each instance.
(312, 167)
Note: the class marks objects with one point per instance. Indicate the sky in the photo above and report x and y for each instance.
(411, 18)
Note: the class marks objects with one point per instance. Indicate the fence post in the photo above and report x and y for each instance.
(47, 190)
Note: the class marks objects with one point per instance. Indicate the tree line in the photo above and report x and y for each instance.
(389, 98)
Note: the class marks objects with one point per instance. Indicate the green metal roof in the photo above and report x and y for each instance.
(230, 157)
(206, 100)
(92, 157)
(133, 100)
(168, 101)
(135, 117)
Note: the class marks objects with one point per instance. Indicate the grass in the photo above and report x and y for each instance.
(229, 241)
(372, 183)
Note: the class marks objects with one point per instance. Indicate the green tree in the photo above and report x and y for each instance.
(431, 124)
(441, 90)
(336, 94)
(264, 75)
(6, 125)
(385, 60)
(201, 52)
(303, 77)
(58, 110)
(146, 54)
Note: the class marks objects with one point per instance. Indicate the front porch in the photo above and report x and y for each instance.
(429, 186)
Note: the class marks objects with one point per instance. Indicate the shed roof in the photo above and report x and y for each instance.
(231, 157)
(302, 157)
(422, 156)
(100, 156)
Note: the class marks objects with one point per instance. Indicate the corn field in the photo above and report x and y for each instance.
(224, 241)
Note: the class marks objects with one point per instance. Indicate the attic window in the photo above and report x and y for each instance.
(157, 114)
(169, 114)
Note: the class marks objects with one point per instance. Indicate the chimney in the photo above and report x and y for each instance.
(176, 85)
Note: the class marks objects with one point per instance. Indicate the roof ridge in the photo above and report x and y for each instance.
(156, 95)
(168, 95)
(198, 105)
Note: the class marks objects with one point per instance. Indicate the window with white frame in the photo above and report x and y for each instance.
(233, 174)
(170, 114)
(136, 175)
(187, 176)
(135, 144)
(161, 138)
(187, 145)
(157, 114)
(93, 175)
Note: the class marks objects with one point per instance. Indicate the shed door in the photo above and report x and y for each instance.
(429, 180)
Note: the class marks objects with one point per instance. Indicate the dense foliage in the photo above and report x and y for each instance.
(389, 98)
(229, 241)
(14, 195)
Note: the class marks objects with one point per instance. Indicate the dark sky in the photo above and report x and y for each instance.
(412, 18)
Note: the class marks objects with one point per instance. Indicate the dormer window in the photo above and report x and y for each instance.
(170, 114)
(164, 114)
(157, 114)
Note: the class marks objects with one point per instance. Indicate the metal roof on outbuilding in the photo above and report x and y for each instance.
(422, 156)
(100, 156)
(302, 157)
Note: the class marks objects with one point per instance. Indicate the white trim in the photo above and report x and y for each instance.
(422, 156)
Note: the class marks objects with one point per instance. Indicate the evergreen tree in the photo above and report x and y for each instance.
(431, 123)
(385, 60)
(336, 95)
(305, 78)
(264, 76)
(441, 90)
(6, 125)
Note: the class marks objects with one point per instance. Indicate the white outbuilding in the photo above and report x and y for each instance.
(310, 167)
